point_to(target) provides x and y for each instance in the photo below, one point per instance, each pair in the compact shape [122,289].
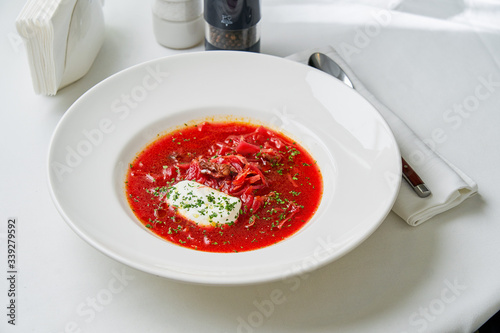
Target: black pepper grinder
[232,25]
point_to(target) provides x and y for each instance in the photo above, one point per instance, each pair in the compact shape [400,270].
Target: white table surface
[425,62]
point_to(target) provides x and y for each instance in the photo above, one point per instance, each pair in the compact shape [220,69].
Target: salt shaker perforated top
[232,25]
[178,24]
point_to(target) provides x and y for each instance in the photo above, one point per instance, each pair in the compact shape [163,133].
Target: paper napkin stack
[62,39]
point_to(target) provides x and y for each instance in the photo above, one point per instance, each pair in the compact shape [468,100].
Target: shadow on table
[440,10]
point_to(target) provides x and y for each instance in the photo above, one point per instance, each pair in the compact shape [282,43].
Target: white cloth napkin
[449,185]
[62,39]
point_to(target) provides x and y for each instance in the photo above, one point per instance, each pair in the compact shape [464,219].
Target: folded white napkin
[449,185]
[62,39]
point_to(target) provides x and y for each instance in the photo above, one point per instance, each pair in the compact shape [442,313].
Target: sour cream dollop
[203,205]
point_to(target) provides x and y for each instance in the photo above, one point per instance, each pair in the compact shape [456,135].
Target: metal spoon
[326,64]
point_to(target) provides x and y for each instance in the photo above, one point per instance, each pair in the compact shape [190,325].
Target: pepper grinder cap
[232,14]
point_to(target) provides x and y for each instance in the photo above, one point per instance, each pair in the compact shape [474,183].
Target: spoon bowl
[326,64]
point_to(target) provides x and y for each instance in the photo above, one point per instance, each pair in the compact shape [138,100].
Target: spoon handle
[414,180]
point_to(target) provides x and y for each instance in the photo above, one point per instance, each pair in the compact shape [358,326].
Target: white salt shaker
[178,24]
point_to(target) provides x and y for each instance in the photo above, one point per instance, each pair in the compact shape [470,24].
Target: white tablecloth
[435,64]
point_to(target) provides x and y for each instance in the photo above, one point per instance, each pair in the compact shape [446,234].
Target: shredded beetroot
[291,210]
[246,148]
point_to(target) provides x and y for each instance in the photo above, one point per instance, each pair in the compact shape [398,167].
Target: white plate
[104,129]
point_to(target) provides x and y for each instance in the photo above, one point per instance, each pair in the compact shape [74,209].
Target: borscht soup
[224,186]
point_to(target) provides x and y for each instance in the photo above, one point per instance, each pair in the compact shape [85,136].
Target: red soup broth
[278,182]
